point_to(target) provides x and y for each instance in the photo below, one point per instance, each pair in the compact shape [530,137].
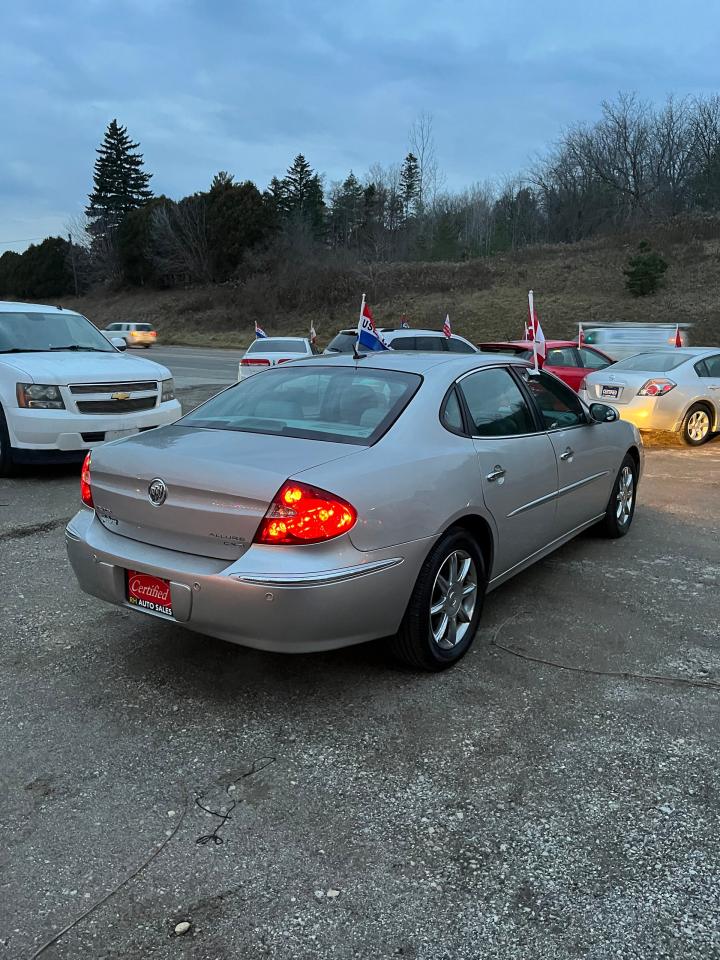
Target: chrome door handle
[568,454]
[497,473]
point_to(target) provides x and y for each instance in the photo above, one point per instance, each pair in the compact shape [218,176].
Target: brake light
[254,362]
[656,388]
[284,360]
[85,487]
[303,514]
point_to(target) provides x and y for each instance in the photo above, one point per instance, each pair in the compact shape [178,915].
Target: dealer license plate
[610,392]
[149,593]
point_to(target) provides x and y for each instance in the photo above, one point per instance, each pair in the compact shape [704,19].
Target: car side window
[403,343]
[431,343]
[496,405]
[451,414]
[591,360]
[711,367]
[561,357]
[459,346]
[559,405]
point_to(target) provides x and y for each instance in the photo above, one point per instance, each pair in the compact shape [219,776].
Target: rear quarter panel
[412,484]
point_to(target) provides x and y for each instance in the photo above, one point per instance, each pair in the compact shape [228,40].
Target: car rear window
[277,346]
[343,342]
[144,327]
[654,362]
[342,404]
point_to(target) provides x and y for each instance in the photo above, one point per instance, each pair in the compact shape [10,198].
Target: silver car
[332,501]
[406,338]
[620,340]
[673,390]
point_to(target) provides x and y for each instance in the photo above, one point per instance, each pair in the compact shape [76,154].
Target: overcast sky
[243,86]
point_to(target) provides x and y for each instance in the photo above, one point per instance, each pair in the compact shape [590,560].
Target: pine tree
[304,195]
[410,185]
[119,182]
[644,271]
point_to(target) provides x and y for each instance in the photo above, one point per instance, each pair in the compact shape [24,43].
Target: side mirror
[121,345]
[603,413]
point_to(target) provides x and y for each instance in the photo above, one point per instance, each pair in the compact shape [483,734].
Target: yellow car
[134,334]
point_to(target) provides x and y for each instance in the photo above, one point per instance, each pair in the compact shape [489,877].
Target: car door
[587,454]
[518,468]
[563,363]
[708,371]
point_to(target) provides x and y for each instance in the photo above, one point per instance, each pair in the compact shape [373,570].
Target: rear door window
[590,360]
[495,403]
[709,367]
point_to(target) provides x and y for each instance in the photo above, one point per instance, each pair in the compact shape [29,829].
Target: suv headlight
[39,396]
[168,390]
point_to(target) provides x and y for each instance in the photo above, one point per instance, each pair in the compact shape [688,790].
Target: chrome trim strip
[581,483]
[316,578]
[534,503]
[557,540]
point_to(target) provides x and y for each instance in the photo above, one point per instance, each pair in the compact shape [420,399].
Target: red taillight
[656,388]
[254,362]
[85,487]
[284,360]
[303,514]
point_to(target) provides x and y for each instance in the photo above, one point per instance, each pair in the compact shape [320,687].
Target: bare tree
[422,145]
[180,240]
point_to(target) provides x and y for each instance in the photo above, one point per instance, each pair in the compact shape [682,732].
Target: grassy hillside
[485,298]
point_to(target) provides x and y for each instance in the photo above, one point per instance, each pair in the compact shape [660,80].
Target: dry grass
[486,299]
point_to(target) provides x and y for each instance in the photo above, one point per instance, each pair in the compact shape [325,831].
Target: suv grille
[77,388]
[116,406]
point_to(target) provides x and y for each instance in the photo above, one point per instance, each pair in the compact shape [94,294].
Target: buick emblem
[157,491]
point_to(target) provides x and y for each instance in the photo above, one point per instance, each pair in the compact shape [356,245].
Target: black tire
[7,467]
[619,515]
[696,428]
[415,643]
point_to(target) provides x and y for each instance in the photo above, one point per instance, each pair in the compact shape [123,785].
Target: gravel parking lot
[510,808]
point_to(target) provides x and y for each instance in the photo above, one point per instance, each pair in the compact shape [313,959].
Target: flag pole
[356,352]
[531,314]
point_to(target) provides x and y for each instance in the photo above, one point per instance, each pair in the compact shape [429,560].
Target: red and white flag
[532,318]
[313,335]
[538,337]
[678,338]
[447,329]
[581,335]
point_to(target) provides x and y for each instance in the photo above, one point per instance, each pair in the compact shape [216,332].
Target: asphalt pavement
[195,366]
[550,797]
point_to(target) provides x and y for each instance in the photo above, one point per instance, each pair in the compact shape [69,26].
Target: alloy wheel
[625,495]
[453,599]
[698,425]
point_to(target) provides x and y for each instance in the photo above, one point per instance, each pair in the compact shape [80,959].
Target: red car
[564,358]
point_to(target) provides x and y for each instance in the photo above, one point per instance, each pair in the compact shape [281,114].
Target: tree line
[637,164]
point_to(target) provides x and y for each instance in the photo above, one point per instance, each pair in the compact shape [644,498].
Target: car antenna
[356,355]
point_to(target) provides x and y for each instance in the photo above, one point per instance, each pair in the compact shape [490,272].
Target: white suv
[64,387]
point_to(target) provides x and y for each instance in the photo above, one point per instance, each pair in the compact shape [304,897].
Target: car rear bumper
[289,609]
[59,430]
[646,413]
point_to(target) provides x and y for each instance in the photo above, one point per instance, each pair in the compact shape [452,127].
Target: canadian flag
[447,328]
[678,338]
[313,335]
[538,337]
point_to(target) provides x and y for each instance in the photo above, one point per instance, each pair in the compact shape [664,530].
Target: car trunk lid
[616,386]
[216,485]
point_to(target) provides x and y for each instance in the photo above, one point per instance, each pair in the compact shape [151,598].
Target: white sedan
[268,352]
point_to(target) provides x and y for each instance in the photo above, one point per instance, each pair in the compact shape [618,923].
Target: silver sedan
[672,390]
[333,501]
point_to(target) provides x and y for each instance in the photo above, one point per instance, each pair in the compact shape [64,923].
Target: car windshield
[343,342]
[654,362]
[342,404]
[30,332]
[277,346]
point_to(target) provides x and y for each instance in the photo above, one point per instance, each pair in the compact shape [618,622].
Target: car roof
[527,344]
[403,332]
[15,306]
[690,353]
[414,361]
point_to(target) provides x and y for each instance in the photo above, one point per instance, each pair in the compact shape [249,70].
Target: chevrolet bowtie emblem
[120,396]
